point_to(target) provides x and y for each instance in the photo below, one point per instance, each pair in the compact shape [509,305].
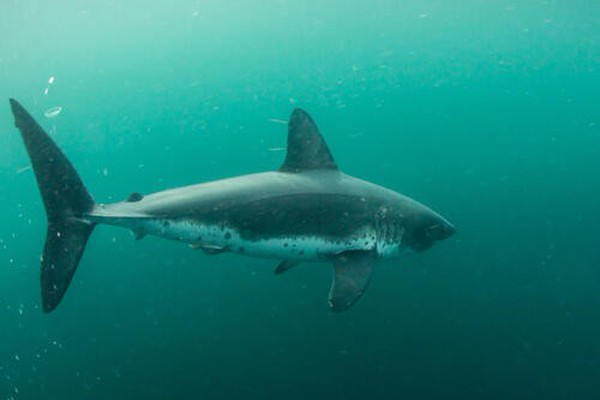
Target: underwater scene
[474,275]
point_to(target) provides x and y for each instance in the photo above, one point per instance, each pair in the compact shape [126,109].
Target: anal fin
[352,274]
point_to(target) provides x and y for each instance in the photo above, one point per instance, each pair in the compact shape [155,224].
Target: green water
[485,110]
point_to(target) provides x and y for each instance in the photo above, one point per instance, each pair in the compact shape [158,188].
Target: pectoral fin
[284,266]
[352,274]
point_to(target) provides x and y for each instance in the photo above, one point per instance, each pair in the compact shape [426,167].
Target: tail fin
[66,201]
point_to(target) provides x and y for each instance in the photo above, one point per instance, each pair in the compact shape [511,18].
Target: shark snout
[440,230]
[431,228]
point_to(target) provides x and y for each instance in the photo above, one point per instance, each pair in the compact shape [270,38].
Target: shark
[306,211]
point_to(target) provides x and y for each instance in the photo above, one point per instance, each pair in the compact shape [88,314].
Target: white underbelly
[218,238]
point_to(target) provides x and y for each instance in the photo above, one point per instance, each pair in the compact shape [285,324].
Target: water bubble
[278,121]
[53,112]
[23,169]
[51,80]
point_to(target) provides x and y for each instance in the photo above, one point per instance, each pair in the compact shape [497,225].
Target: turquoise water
[485,110]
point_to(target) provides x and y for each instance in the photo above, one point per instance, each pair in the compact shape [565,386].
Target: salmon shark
[306,211]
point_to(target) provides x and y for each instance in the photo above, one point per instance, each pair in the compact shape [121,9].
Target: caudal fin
[66,201]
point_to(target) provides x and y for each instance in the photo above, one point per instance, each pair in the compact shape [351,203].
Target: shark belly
[218,238]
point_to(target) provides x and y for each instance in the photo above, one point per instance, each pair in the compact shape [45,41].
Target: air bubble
[53,112]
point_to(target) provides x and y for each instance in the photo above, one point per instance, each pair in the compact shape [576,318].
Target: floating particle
[46,92]
[53,112]
[278,121]
[51,80]
[23,169]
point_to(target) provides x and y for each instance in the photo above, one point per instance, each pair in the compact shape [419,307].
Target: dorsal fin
[306,149]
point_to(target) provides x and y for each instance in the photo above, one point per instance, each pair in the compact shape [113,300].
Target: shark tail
[67,202]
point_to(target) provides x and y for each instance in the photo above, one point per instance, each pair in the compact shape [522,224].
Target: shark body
[307,211]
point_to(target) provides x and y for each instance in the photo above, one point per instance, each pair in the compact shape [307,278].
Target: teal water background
[488,111]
